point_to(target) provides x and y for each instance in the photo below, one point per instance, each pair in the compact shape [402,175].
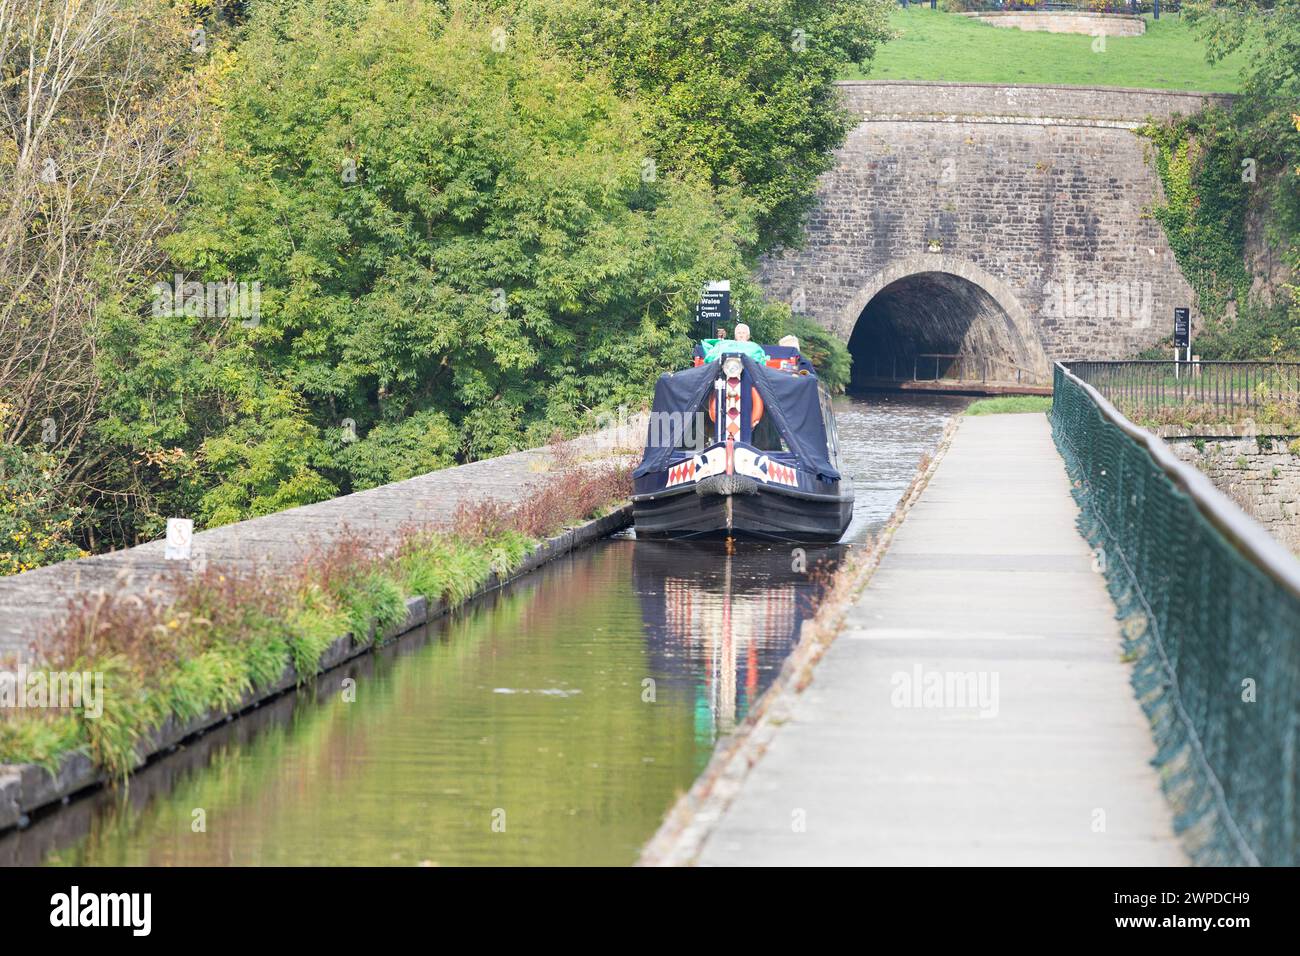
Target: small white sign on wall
[180,535]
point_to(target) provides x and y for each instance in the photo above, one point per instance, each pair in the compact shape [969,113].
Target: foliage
[827,353]
[100,109]
[1267,33]
[1223,166]
[498,266]
[41,739]
[399,450]
[739,94]
[35,522]
[1269,28]
[1205,205]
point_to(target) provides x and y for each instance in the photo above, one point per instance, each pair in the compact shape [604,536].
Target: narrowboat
[736,447]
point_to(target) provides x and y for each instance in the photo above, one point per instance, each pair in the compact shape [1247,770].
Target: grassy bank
[1010,404]
[934,45]
[218,635]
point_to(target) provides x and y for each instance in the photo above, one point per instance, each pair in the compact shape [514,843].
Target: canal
[551,723]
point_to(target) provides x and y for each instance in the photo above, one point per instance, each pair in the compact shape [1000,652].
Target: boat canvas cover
[791,400]
[682,392]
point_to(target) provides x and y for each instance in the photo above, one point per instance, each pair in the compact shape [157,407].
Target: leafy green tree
[827,353]
[100,109]
[457,248]
[1269,33]
[400,450]
[35,521]
[739,92]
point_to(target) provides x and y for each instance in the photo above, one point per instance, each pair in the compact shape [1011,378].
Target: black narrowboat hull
[737,506]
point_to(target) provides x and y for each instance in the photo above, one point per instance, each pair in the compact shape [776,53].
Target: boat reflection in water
[721,620]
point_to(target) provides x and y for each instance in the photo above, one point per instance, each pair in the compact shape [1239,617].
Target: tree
[35,522]
[457,250]
[1269,32]
[827,353]
[98,110]
[739,92]
[1264,129]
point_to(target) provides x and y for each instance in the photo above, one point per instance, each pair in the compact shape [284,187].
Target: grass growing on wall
[222,635]
[936,45]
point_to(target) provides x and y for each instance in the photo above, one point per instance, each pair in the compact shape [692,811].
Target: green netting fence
[1210,610]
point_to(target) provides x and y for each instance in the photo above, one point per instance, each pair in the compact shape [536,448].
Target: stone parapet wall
[1088,24]
[887,98]
[1260,474]
[34,602]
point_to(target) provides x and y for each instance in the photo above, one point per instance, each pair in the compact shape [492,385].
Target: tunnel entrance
[941,331]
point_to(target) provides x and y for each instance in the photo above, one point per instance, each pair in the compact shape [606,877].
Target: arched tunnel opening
[935,326]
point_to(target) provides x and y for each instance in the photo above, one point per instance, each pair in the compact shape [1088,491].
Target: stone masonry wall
[883,99]
[1261,475]
[1088,24]
[1040,195]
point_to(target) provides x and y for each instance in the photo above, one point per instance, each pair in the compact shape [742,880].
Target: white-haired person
[738,345]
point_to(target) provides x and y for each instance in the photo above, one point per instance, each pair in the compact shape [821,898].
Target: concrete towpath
[975,709]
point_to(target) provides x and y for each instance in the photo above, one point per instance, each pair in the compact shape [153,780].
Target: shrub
[497,260]
[35,521]
[827,353]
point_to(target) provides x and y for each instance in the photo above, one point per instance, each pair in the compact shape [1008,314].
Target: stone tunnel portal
[937,325]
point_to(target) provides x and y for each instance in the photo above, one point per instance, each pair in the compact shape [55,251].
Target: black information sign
[1182,328]
[714,308]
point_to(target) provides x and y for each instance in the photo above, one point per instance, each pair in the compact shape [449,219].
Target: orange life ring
[756,412]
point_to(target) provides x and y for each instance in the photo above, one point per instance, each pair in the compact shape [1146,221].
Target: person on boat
[740,345]
[789,342]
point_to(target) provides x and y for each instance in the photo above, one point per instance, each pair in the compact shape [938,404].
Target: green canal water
[553,723]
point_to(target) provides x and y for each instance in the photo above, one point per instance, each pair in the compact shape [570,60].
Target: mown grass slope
[935,45]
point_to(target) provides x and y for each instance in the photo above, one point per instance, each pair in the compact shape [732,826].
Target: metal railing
[938,367]
[1210,609]
[1166,392]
